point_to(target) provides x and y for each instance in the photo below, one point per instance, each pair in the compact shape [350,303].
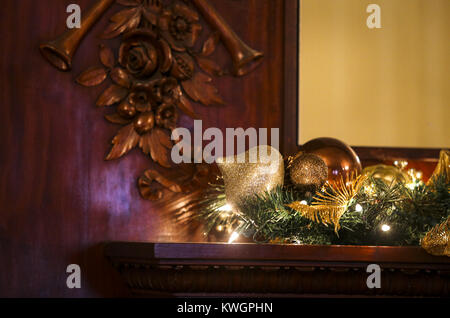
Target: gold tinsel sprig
[329,206]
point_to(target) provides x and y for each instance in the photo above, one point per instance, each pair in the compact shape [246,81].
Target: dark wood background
[59,199]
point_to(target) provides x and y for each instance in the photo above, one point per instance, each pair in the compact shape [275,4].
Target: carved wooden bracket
[276,270]
[159,69]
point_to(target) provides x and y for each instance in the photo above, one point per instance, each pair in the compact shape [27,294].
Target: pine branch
[410,213]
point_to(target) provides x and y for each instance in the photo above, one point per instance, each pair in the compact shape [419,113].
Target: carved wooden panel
[59,198]
[159,69]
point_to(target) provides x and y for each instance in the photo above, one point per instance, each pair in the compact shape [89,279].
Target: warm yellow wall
[375,87]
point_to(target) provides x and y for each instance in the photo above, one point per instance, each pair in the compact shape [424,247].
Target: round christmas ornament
[308,172]
[254,172]
[341,160]
[389,174]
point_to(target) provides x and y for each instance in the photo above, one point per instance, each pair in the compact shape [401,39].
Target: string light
[401,164]
[369,189]
[304,202]
[220,228]
[233,237]
[358,208]
[385,227]
[226,208]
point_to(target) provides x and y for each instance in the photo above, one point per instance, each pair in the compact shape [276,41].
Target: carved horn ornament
[60,51]
[244,58]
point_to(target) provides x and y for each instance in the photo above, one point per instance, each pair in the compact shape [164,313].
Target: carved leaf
[156,143]
[209,66]
[129,3]
[150,16]
[210,44]
[106,56]
[125,140]
[112,95]
[92,77]
[120,77]
[116,119]
[123,21]
[186,107]
[200,90]
[163,137]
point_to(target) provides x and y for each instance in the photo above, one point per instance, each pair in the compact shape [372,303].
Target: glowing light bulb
[358,208]
[226,208]
[385,227]
[220,228]
[233,237]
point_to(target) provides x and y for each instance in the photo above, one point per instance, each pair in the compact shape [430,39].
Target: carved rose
[142,54]
[180,26]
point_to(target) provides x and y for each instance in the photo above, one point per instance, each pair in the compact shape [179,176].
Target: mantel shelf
[205,269]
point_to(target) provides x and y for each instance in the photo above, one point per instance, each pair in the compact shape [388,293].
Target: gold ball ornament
[308,172]
[254,172]
[341,160]
[389,174]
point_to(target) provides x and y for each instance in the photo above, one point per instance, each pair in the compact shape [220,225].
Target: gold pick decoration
[437,240]
[254,172]
[329,206]
[442,168]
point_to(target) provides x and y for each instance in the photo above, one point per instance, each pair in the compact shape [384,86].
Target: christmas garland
[364,210]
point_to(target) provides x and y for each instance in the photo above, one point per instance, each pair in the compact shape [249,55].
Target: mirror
[375,76]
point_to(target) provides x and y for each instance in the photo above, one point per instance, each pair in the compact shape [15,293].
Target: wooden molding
[190,269]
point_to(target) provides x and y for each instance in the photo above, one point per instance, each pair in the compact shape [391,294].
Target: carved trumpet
[244,58]
[60,51]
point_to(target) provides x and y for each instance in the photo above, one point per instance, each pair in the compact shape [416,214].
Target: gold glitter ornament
[253,172]
[390,175]
[308,172]
[442,168]
[437,240]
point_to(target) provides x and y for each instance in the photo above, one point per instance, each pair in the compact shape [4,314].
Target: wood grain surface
[59,198]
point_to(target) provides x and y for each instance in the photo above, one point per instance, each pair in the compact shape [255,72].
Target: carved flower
[180,26]
[145,97]
[166,91]
[144,123]
[142,53]
[149,111]
[167,116]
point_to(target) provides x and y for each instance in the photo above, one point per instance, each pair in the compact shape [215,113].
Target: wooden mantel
[204,269]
